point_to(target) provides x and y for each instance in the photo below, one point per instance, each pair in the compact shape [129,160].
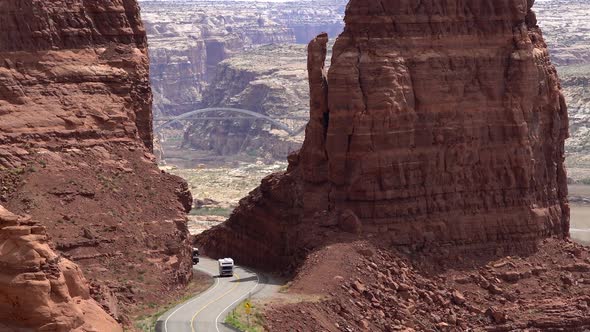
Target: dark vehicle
[195,256]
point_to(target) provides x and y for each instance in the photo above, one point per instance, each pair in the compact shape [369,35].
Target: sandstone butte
[75,157]
[439,126]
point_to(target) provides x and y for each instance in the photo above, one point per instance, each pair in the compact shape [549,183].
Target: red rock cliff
[75,141]
[106,56]
[439,123]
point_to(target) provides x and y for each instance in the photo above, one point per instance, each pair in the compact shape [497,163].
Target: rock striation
[188,39]
[576,85]
[39,289]
[75,142]
[106,43]
[566,29]
[439,124]
[270,80]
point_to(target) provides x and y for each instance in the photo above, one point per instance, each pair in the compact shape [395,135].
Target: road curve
[207,311]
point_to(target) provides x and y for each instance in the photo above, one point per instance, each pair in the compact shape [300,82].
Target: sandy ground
[216,181]
[226,184]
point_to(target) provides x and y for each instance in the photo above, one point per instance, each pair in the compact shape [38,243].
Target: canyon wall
[270,80]
[576,86]
[438,125]
[75,141]
[181,70]
[192,44]
[307,20]
[189,39]
[567,31]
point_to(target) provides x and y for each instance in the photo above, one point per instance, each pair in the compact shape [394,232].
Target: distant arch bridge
[246,114]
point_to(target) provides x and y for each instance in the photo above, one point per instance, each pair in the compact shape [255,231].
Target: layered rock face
[439,124]
[75,141]
[87,29]
[566,29]
[270,80]
[189,39]
[192,44]
[177,73]
[576,87]
[40,290]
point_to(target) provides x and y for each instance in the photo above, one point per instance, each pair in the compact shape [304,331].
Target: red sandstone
[75,142]
[439,124]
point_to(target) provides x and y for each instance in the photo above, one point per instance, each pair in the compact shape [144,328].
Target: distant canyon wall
[270,80]
[185,56]
[567,32]
[182,71]
[189,39]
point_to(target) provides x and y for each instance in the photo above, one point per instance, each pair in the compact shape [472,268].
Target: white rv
[226,267]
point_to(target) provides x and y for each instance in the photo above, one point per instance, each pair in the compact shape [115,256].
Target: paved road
[207,311]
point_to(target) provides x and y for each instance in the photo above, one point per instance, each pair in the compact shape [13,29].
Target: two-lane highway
[207,311]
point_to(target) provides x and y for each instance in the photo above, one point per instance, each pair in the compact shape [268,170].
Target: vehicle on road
[196,256]
[226,267]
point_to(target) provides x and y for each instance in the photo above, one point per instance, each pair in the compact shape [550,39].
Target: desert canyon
[76,137]
[410,166]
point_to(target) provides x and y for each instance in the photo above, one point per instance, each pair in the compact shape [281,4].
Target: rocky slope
[366,288]
[420,136]
[75,137]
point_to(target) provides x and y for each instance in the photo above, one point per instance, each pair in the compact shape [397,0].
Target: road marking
[238,300]
[217,299]
[193,300]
